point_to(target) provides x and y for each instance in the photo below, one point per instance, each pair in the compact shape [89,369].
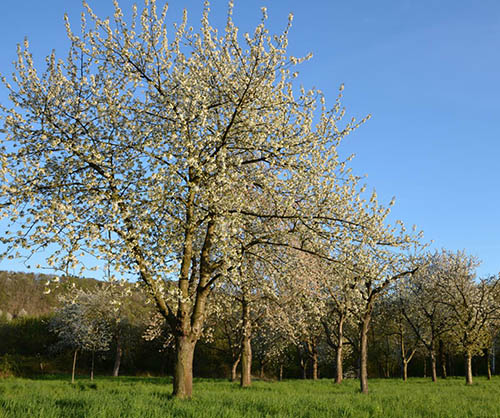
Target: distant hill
[22,294]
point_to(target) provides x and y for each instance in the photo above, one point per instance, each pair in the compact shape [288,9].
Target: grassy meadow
[55,396]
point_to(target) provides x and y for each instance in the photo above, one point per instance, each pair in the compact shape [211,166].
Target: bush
[8,366]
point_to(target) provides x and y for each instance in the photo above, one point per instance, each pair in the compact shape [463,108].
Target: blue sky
[428,71]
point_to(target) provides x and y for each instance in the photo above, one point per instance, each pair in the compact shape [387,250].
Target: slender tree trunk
[339,360]
[442,359]
[468,372]
[363,375]
[74,367]
[92,366]
[183,371]
[261,374]
[118,357]
[246,349]
[404,363]
[488,363]
[493,357]
[281,373]
[433,365]
[303,365]
[425,367]
[234,368]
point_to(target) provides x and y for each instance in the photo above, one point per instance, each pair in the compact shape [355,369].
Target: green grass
[150,397]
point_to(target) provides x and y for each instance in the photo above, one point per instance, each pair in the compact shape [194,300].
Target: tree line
[415,321]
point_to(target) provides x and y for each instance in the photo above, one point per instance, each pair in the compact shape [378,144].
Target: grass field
[150,397]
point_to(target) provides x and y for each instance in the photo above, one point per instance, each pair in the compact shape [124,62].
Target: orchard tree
[472,304]
[384,255]
[140,147]
[226,320]
[82,324]
[126,316]
[339,284]
[392,323]
[421,305]
[302,305]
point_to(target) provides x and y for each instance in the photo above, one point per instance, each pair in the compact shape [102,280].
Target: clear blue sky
[428,71]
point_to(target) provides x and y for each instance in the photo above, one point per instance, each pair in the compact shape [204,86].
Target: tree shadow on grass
[164,380]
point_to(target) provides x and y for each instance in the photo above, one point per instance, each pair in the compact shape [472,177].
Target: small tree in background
[472,306]
[82,324]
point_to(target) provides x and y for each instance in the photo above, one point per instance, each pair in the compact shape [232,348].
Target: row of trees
[193,162]
[440,310]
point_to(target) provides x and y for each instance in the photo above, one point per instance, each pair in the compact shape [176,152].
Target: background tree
[422,307]
[471,304]
[384,255]
[82,325]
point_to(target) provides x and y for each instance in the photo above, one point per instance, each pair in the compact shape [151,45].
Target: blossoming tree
[140,147]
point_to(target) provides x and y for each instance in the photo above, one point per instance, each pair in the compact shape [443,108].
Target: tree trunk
[74,367]
[183,370]
[442,359]
[425,367]
[488,363]
[92,366]
[234,368]
[468,372]
[281,373]
[261,374]
[246,363]
[303,365]
[315,365]
[339,360]
[118,357]
[246,349]
[433,366]
[363,375]
[312,353]
[402,352]
[493,357]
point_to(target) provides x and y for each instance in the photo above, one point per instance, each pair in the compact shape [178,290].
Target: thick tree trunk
[405,370]
[315,365]
[234,368]
[183,370]
[92,366]
[433,365]
[74,367]
[339,359]
[312,353]
[363,373]
[118,358]
[468,371]
[246,349]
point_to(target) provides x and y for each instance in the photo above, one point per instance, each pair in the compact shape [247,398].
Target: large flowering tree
[142,146]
